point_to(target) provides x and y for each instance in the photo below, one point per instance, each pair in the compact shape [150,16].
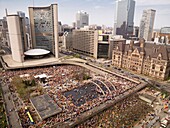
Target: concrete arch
[112,84]
[98,87]
[104,85]
[109,82]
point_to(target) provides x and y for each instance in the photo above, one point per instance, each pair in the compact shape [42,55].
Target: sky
[101,12]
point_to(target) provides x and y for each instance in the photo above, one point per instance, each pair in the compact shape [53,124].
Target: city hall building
[44,27]
[145,58]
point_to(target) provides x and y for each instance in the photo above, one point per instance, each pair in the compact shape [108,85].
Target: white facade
[146,24]
[124,15]
[15,34]
[56,38]
[82,19]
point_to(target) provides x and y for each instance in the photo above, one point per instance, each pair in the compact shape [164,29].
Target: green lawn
[24,89]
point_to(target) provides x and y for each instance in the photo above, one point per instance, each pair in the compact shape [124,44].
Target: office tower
[21,14]
[60,27]
[27,27]
[4,32]
[17,35]
[82,19]
[44,27]
[146,24]
[92,43]
[123,24]
[85,42]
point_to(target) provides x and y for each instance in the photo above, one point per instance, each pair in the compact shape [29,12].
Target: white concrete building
[146,24]
[17,37]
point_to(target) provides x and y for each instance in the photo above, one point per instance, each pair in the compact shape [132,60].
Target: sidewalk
[11,113]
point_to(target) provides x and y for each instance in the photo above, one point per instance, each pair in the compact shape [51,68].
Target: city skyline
[100,12]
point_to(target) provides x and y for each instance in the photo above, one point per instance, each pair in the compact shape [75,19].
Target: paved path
[12,114]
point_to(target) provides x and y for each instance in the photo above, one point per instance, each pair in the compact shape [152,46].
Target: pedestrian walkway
[11,113]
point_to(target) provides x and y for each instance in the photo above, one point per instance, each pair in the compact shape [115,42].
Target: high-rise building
[92,43]
[27,27]
[17,35]
[82,19]
[21,14]
[123,24]
[146,24]
[85,42]
[60,28]
[4,32]
[44,27]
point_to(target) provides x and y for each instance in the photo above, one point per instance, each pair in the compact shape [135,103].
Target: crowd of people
[122,115]
[73,96]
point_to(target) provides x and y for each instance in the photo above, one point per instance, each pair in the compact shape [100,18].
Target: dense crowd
[122,115]
[72,95]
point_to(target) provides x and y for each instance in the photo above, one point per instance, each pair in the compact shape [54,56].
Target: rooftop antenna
[33,2]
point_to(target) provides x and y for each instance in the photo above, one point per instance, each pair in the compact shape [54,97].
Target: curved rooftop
[36,52]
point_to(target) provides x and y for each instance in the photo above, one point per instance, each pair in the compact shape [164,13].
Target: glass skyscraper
[124,15]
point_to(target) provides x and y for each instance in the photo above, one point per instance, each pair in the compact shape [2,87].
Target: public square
[75,89]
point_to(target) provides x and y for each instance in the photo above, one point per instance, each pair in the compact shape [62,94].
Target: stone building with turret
[143,57]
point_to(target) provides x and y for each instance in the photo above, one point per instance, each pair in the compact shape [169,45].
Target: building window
[114,57]
[153,66]
[161,68]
